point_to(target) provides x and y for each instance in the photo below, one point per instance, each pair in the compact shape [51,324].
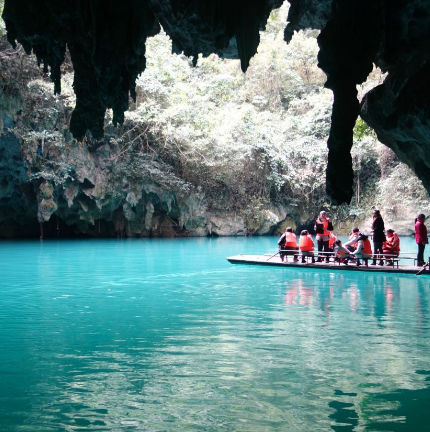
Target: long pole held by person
[273,256]
[425,266]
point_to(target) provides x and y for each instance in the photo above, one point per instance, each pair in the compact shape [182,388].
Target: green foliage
[361,130]
[401,191]
[242,141]
[256,139]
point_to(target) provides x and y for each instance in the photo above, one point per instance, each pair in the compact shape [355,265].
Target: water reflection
[377,296]
[394,333]
[345,418]
[403,410]
[423,306]
[113,337]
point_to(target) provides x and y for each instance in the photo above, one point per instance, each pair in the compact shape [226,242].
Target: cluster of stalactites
[106,40]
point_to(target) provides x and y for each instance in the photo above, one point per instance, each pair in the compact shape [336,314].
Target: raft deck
[275,261]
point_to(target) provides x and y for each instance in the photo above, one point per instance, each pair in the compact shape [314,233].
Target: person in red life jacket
[421,238]
[288,245]
[323,226]
[351,244]
[306,246]
[364,249]
[332,238]
[391,246]
[342,254]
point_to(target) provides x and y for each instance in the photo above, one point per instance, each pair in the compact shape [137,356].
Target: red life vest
[355,244]
[367,248]
[324,224]
[290,240]
[392,245]
[341,253]
[306,243]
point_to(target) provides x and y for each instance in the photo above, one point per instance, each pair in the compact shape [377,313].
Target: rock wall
[106,40]
[61,188]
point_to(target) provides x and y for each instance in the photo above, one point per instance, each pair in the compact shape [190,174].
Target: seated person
[351,244]
[306,246]
[342,254]
[364,249]
[288,245]
[391,246]
[332,238]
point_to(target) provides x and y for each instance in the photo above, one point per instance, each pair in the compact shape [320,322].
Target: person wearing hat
[378,231]
[421,238]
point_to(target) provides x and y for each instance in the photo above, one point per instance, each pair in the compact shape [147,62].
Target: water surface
[166,335]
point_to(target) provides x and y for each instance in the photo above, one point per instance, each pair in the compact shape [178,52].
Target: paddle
[273,256]
[424,267]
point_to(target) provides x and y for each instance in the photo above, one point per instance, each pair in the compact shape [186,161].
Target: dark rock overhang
[106,40]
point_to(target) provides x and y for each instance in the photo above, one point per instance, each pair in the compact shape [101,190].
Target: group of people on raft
[386,244]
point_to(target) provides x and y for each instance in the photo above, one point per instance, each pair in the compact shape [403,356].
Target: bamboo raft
[275,261]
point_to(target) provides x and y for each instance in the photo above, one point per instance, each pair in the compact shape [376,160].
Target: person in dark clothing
[323,227]
[378,230]
[421,238]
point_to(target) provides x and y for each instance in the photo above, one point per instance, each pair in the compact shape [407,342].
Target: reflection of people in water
[423,304]
[297,290]
[305,293]
[354,297]
[376,295]
[386,296]
[389,299]
[291,294]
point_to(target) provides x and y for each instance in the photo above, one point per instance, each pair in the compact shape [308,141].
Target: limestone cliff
[106,40]
[73,191]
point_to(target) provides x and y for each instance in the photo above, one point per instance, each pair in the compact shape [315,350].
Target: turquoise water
[166,335]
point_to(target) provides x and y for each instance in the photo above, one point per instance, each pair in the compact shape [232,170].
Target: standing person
[288,245]
[323,226]
[378,230]
[421,238]
[306,246]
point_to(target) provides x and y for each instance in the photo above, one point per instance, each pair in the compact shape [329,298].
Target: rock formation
[70,190]
[394,35]
[106,40]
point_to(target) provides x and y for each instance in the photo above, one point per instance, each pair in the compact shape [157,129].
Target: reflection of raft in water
[275,261]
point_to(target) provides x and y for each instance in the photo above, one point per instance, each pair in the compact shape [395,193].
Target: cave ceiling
[106,40]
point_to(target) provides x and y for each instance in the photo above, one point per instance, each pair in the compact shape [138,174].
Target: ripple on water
[112,336]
